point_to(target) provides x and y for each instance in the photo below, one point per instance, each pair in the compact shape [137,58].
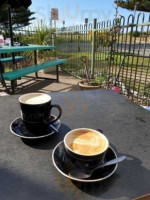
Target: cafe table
[26,168]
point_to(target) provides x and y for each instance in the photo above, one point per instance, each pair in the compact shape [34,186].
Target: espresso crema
[87,143]
[37,100]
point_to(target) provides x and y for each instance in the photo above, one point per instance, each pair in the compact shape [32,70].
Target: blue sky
[75,11]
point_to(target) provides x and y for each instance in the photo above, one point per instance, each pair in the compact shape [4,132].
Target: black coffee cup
[36,111]
[85,161]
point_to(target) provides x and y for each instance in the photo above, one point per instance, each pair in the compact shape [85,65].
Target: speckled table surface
[26,169]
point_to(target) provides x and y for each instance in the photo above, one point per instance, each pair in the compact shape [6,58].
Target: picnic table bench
[12,76]
[10,59]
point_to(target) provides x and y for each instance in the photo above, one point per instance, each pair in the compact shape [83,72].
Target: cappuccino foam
[37,100]
[87,143]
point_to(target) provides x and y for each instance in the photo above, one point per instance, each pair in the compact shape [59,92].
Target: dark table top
[26,169]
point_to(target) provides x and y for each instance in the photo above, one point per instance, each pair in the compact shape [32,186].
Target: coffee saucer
[18,128]
[64,165]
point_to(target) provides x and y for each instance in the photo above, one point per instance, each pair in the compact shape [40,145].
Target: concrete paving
[66,83]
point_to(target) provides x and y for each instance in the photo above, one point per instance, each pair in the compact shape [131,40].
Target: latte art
[87,143]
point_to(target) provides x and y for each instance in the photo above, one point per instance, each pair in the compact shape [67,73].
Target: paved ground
[67,83]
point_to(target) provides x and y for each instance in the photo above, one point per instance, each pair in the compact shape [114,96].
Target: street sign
[54,14]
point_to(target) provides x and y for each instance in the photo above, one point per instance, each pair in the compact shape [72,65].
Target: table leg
[35,62]
[13,86]
[57,73]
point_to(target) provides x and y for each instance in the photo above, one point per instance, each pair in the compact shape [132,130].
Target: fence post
[93,48]
[79,43]
[53,39]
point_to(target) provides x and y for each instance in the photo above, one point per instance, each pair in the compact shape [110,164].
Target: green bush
[136,34]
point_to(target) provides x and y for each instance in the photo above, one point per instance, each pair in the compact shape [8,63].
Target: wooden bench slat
[10,59]
[9,76]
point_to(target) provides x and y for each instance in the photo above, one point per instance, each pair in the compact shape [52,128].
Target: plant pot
[83,86]
[49,70]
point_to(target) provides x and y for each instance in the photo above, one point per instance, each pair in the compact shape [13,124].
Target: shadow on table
[130,181]
[49,142]
[17,186]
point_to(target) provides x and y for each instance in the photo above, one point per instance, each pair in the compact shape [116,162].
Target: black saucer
[64,165]
[18,128]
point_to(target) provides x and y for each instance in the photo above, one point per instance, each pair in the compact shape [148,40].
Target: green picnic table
[18,73]
[14,49]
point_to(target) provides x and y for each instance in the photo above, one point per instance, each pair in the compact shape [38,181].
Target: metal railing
[118,48]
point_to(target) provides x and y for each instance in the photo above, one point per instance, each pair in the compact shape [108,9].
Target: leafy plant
[16,3]
[141,5]
[20,12]
[41,35]
[98,81]
[136,34]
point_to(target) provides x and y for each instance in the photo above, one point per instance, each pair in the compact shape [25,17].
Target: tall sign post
[86,28]
[54,16]
[86,21]
[93,48]
[63,24]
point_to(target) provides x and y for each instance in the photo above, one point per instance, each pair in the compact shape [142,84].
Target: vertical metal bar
[121,53]
[13,86]
[35,62]
[115,47]
[10,26]
[93,48]
[137,61]
[109,58]
[126,35]
[139,90]
[131,46]
[53,39]
[146,79]
[78,41]
[57,73]
[69,35]
[107,61]
[11,31]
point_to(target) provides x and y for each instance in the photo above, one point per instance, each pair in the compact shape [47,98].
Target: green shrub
[136,34]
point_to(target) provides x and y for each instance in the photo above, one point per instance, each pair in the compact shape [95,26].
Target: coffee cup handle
[60,112]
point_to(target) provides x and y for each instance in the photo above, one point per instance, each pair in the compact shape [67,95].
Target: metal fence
[119,48]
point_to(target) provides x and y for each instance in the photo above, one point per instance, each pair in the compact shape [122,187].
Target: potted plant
[88,83]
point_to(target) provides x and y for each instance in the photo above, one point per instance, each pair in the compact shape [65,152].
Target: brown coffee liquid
[87,143]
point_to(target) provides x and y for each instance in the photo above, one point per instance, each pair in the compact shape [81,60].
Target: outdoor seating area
[19,73]
[31,84]
[75,100]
